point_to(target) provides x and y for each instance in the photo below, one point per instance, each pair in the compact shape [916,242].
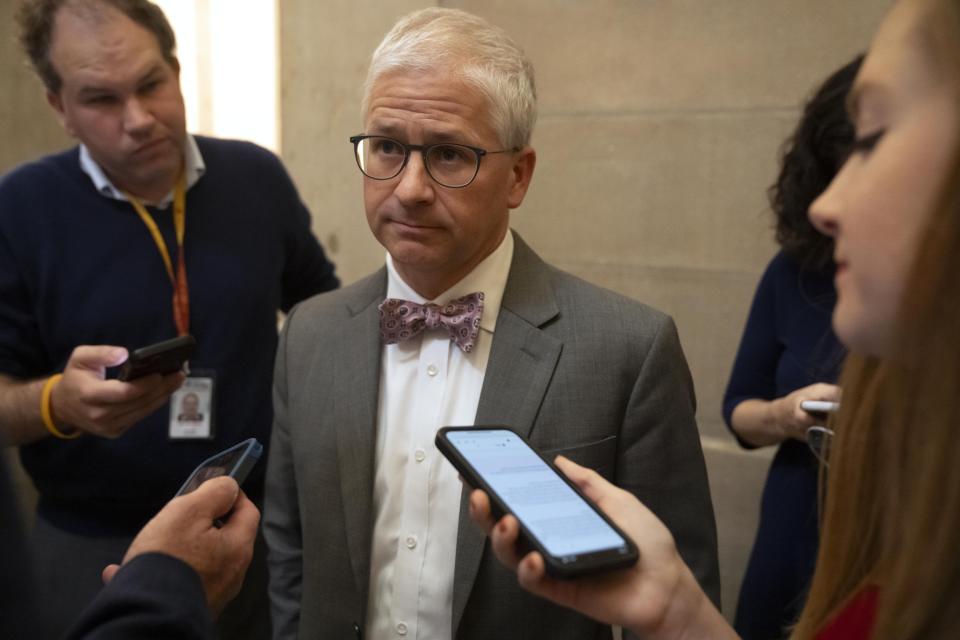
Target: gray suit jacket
[575,368]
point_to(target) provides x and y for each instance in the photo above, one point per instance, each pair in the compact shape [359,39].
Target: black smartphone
[573,535]
[163,357]
[236,462]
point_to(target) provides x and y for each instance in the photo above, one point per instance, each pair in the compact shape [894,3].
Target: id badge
[191,408]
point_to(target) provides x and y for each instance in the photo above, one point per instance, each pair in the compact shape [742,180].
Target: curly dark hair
[811,157]
[36,20]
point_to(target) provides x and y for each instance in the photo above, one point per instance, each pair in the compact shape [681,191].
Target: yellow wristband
[45,412]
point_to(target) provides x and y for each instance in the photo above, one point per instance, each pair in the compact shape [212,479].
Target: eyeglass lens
[451,165]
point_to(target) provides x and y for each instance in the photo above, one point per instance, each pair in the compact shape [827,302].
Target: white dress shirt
[194,168]
[425,383]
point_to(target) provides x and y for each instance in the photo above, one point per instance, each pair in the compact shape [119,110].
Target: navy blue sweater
[787,344]
[78,268]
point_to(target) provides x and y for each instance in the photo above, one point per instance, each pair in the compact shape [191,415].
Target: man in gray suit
[365,520]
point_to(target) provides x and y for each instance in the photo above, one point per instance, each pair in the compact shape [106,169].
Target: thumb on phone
[97,357]
[213,498]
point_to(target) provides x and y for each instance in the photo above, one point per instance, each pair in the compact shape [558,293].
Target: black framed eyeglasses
[448,164]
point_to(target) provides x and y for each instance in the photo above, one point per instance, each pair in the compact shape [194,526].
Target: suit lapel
[521,365]
[355,396]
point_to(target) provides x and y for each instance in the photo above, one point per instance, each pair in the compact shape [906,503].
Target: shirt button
[411,543]
[401,629]
[419,455]
[432,370]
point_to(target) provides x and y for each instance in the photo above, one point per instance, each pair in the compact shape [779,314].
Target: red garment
[856,620]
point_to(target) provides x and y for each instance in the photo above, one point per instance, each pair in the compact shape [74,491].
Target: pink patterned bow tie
[401,319]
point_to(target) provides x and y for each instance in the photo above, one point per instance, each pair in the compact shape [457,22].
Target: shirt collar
[490,277]
[194,169]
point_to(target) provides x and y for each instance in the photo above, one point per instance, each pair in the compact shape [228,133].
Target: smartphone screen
[235,462]
[564,524]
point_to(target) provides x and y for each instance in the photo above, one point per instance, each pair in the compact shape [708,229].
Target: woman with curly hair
[789,354]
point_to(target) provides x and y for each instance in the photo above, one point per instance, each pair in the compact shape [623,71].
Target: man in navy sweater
[139,234]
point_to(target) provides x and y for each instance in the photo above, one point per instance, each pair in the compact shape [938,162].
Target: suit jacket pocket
[600,455]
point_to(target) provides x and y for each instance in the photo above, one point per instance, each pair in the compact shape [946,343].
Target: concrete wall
[27,127]
[660,122]
[659,126]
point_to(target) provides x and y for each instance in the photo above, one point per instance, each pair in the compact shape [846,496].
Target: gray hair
[437,38]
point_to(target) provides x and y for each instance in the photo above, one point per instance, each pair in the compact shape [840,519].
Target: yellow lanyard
[178,278]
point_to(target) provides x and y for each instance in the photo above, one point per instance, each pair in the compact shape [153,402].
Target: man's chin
[415,255]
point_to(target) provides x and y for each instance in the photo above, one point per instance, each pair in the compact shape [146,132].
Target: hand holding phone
[657,597]
[573,536]
[162,357]
[182,529]
[86,399]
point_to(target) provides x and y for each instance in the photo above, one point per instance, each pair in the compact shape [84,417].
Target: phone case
[163,357]
[236,462]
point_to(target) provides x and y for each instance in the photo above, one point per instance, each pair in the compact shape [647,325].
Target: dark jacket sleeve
[152,596]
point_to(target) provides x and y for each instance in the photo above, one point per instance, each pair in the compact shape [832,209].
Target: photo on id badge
[191,408]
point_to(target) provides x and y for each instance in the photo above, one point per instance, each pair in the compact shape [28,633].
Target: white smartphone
[819,406]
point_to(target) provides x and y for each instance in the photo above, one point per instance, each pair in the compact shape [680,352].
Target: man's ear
[53,99]
[520,176]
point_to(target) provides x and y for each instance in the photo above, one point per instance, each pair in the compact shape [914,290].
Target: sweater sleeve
[755,366]
[22,354]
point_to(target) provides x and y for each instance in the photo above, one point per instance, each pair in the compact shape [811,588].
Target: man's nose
[415,186]
[137,118]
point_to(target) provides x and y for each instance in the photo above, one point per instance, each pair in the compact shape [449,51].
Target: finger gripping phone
[236,462]
[574,537]
[163,357]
